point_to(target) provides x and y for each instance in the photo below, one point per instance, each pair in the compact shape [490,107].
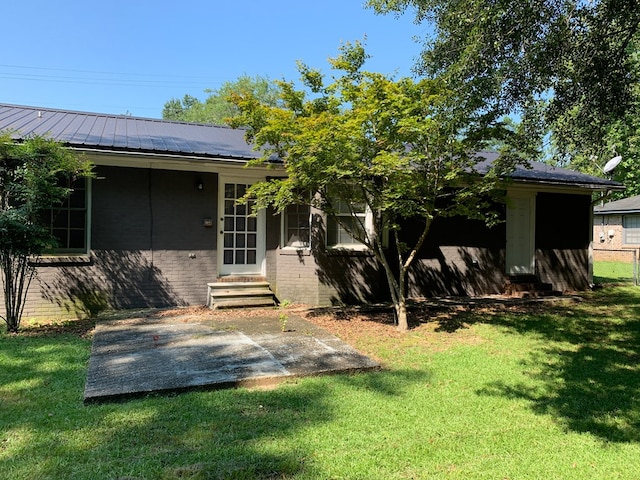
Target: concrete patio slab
[137,356]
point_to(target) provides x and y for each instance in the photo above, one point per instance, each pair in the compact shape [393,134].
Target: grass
[527,392]
[613,272]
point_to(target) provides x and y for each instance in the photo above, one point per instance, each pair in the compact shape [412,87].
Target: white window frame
[284,230]
[631,233]
[366,217]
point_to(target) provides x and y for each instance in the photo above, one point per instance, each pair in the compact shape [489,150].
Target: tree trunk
[401,314]
[401,300]
[13,324]
[16,279]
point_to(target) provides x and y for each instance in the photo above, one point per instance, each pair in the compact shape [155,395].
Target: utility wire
[92,77]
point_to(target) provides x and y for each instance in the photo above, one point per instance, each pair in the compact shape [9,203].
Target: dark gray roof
[543,173]
[626,205]
[145,135]
[120,132]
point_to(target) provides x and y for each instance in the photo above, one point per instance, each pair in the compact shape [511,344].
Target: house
[159,226]
[616,230]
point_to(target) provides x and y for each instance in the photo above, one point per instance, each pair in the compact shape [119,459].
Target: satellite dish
[611,164]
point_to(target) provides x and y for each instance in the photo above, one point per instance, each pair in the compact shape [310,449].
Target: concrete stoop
[240,294]
[528,286]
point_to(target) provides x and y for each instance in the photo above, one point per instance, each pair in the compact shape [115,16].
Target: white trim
[283,233]
[367,220]
[177,162]
[226,269]
[520,251]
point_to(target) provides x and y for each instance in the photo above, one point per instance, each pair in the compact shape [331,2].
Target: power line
[108,82]
[104,72]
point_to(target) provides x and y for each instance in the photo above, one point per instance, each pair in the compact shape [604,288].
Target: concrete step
[225,285]
[239,294]
[243,302]
[528,286]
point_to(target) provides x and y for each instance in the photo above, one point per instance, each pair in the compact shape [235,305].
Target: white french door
[241,237]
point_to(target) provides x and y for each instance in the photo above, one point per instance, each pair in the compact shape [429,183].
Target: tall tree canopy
[397,149]
[217,108]
[570,66]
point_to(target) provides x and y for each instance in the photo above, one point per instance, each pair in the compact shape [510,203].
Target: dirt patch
[436,324]
[82,328]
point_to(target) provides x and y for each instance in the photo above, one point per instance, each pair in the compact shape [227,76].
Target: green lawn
[613,272]
[548,392]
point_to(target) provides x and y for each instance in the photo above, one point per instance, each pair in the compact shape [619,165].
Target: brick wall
[297,278]
[608,240]
[149,246]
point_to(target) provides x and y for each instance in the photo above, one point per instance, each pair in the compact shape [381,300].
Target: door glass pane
[229,190]
[240,224]
[228,257]
[239,257]
[252,224]
[228,224]
[251,257]
[228,207]
[251,240]
[228,240]
[240,240]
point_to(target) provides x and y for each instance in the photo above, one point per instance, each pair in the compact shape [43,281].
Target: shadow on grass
[587,370]
[49,433]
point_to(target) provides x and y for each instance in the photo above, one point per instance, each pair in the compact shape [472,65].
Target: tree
[31,172]
[621,137]
[570,63]
[217,108]
[400,149]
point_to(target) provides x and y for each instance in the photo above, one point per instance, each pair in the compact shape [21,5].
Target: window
[296,226]
[337,235]
[68,222]
[631,225]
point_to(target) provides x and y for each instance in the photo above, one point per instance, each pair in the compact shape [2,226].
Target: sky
[130,57]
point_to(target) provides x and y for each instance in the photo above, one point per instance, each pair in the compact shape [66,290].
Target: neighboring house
[616,230]
[159,224]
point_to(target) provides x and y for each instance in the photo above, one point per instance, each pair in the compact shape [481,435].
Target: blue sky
[132,56]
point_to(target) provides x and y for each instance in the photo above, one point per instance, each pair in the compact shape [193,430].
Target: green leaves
[403,149]
[563,66]
[218,107]
[30,183]
[400,142]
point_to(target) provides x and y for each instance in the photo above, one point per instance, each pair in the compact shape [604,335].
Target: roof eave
[582,186]
[161,153]
[615,212]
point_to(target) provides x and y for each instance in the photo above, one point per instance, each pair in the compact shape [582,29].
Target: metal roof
[542,173]
[626,205]
[121,132]
[146,135]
